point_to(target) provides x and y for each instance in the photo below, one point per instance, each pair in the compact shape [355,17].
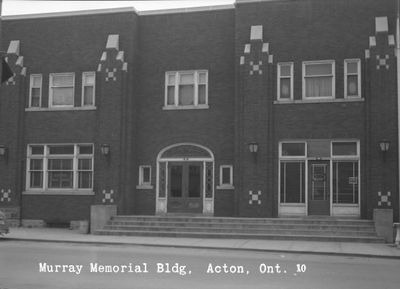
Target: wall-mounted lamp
[3,151]
[105,149]
[253,147]
[384,145]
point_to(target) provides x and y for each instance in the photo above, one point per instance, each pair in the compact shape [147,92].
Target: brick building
[259,109]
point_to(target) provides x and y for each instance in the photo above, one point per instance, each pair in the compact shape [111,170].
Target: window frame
[304,77]
[346,74]
[85,73]
[141,182]
[291,95]
[31,87]
[46,156]
[225,185]
[51,86]
[177,75]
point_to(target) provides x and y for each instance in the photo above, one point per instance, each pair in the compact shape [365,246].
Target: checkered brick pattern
[255,67]
[384,199]
[382,61]
[255,198]
[111,74]
[5,196]
[108,196]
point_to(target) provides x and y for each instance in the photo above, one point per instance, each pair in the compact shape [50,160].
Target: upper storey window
[35,91]
[61,89]
[88,88]
[319,79]
[352,78]
[285,81]
[186,89]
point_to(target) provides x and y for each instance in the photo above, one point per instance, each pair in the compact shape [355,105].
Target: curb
[362,255]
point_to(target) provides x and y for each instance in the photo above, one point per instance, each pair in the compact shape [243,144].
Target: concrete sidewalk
[307,247]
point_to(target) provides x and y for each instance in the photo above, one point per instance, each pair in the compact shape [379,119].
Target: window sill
[225,187]
[202,106]
[60,108]
[330,100]
[144,187]
[59,192]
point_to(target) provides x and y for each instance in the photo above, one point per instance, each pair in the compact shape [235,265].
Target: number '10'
[301,268]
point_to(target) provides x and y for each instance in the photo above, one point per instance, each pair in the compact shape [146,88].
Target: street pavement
[306,247]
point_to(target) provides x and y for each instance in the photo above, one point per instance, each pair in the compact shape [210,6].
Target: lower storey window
[60,167]
[345,182]
[292,182]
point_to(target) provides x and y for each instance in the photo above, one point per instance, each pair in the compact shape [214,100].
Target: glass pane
[60,179]
[84,164]
[194,181]
[63,96]
[171,95]
[171,79]
[186,95]
[88,95]
[319,69]
[202,78]
[176,181]
[344,149]
[36,81]
[293,149]
[37,150]
[285,88]
[60,164]
[35,97]
[85,180]
[319,86]
[226,176]
[352,85]
[186,78]
[345,182]
[285,70]
[36,164]
[61,150]
[36,180]
[85,149]
[146,175]
[292,182]
[352,67]
[63,80]
[202,94]
[89,79]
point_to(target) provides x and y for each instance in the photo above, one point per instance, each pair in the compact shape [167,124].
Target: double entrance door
[185,187]
[318,188]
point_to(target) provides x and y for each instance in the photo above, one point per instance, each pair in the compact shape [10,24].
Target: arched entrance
[185,180]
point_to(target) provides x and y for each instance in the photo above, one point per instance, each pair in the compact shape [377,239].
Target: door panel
[185,188]
[318,188]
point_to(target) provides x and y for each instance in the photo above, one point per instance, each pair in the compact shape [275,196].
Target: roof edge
[187,10]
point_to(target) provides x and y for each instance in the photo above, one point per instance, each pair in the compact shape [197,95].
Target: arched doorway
[185,180]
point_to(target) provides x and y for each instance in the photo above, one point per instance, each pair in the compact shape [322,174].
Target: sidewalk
[308,247]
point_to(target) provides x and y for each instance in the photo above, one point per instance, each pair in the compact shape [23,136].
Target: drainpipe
[398,96]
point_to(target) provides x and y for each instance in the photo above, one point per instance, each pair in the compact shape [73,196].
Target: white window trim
[51,90]
[358,61]
[225,186]
[176,105]
[141,183]
[279,81]
[45,190]
[346,157]
[305,63]
[293,157]
[83,88]
[31,86]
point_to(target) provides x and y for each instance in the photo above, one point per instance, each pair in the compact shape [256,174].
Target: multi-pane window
[61,88]
[88,88]
[35,90]
[285,81]
[292,172]
[60,167]
[186,88]
[352,78]
[319,79]
[226,176]
[144,175]
[345,157]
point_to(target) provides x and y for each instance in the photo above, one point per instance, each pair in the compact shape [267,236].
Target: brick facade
[240,47]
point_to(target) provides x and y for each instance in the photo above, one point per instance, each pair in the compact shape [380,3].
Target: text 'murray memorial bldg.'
[258,109]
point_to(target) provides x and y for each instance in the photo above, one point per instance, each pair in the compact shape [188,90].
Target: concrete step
[364,239]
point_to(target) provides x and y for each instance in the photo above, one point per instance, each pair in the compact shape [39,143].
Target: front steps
[308,229]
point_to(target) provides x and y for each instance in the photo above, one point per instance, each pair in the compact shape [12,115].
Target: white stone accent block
[256,32]
[381,24]
[113,41]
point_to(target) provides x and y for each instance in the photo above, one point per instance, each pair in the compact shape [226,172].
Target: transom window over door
[61,87]
[186,89]
[319,79]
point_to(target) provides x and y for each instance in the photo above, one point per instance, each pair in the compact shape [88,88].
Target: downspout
[398,98]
